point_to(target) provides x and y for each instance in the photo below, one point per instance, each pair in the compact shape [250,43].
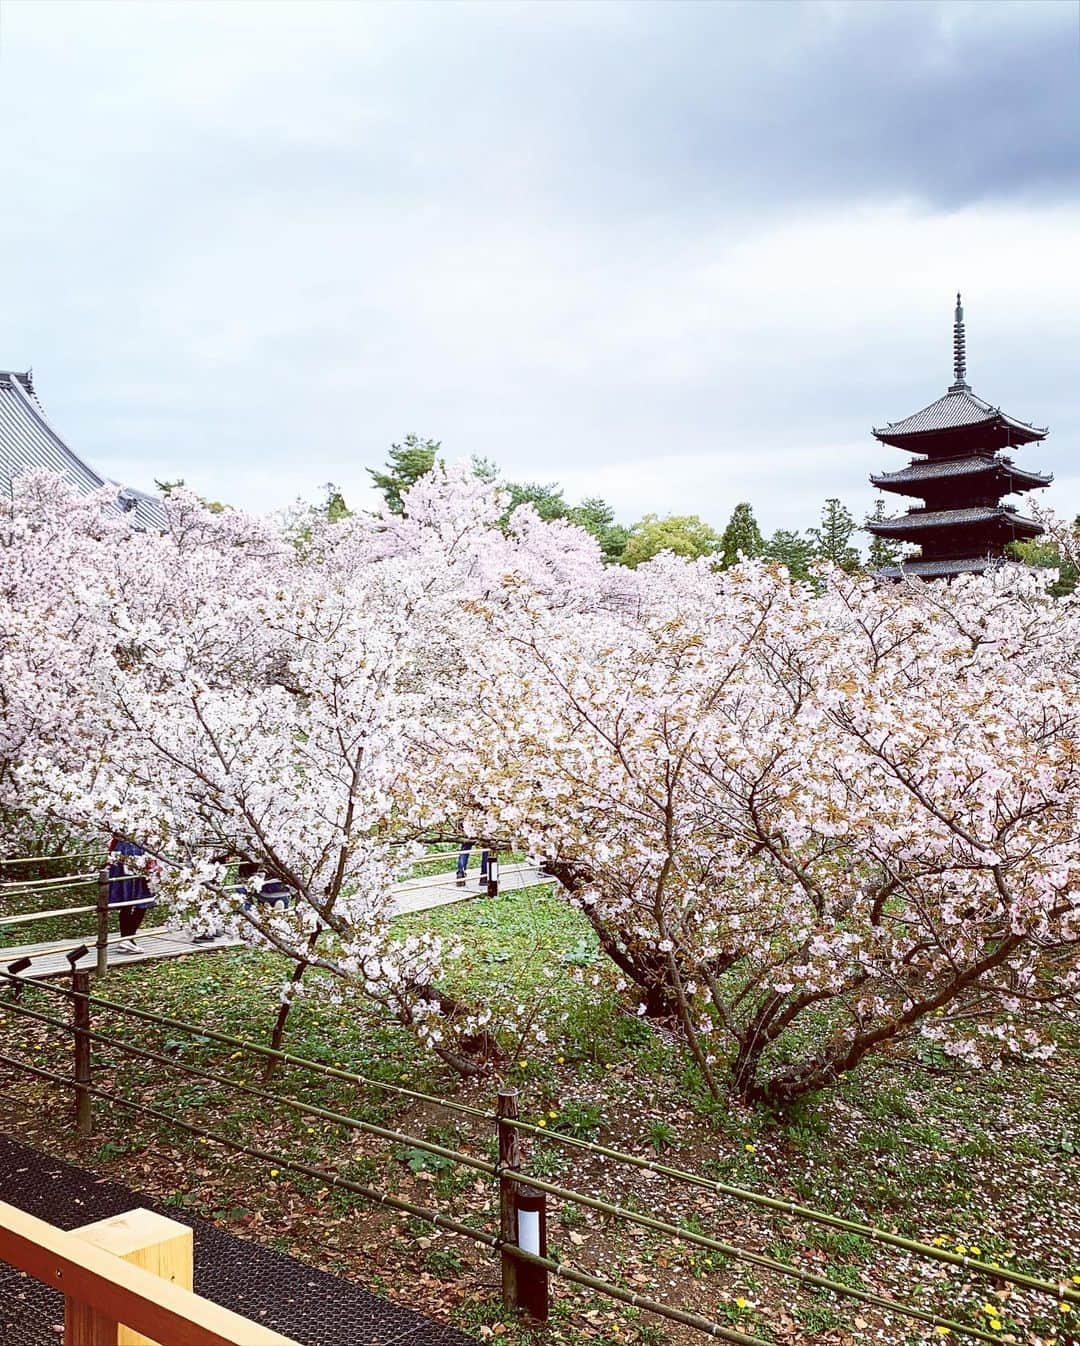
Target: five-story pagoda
[960,477]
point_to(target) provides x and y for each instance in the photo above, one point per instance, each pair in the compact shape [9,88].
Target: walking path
[419,894]
[310,1306]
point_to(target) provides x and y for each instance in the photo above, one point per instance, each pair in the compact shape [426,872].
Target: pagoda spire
[959,352]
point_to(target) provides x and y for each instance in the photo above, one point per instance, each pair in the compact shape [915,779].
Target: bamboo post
[506,1109]
[102,904]
[80,1020]
[153,1242]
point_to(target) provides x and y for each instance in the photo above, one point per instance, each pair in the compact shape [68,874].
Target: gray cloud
[687,252]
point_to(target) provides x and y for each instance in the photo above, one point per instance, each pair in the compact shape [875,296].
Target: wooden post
[80,1021]
[152,1242]
[102,903]
[493,874]
[506,1109]
[532,1281]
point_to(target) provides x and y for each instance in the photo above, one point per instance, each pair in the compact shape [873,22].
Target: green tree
[1044,553]
[683,534]
[742,537]
[793,550]
[831,541]
[883,552]
[334,506]
[545,497]
[597,517]
[406,463]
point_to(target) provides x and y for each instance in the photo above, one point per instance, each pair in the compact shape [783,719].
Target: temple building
[29,443]
[960,475]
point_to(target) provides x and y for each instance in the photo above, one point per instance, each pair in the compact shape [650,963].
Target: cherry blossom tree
[807,823]
[227,697]
[808,826]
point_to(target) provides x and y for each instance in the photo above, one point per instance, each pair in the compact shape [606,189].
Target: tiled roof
[29,443]
[959,407]
[917,519]
[943,469]
[918,569]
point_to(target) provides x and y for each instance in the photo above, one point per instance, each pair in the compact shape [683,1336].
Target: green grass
[963,1159]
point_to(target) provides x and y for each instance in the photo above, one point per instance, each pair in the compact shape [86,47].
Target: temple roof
[932,470]
[958,409]
[29,443]
[920,569]
[937,520]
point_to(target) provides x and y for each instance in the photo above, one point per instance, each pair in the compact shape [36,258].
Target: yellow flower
[995,1324]
[523,1064]
[741,1303]
[991,1309]
[961,1248]
[1076,1280]
[542,1121]
[1064,1308]
[552,1115]
[749,1148]
[939,1240]
[942,1331]
[273,1172]
[976,1251]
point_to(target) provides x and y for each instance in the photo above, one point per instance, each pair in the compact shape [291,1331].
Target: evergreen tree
[883,551]
[546,498]
[406,463]
[742,537]
[792,550]
[597,517]
[831,541]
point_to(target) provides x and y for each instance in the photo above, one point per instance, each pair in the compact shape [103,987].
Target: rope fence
[521,1242]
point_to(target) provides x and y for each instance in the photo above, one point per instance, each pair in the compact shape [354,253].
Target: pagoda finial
[959,352]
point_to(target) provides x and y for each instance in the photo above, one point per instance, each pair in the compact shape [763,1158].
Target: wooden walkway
[158,942]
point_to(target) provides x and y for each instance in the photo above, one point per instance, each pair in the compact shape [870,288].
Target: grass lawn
[973,1161]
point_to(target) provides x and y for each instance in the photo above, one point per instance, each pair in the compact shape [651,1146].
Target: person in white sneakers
[129,889]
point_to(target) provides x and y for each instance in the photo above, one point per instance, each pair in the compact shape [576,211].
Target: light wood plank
[160,1310]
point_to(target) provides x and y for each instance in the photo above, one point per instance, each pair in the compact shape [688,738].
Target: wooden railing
[113,1300]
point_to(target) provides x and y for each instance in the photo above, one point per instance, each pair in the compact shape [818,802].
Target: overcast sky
[675,255]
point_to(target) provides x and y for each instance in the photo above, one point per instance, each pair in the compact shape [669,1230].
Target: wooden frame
[114,1288]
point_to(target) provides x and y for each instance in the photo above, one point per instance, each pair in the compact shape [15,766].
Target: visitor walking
[463,864]
[129,889]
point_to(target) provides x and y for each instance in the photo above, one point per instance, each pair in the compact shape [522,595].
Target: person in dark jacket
[275,892]
[128,867]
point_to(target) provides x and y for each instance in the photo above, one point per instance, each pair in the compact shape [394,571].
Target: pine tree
[792,550]
[406,463]
[883,552]
[832,540]
[742,537]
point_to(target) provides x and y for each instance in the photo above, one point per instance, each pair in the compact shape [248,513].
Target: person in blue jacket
[128,867]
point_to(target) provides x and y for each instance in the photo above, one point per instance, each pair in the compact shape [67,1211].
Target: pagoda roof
[921,471]
[917,568]
[959,409]
[28,443]
[937,520]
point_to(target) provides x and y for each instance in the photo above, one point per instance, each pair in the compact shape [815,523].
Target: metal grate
[314,1307]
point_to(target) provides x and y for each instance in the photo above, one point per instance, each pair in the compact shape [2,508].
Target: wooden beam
[158,1309]
[145,1239]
